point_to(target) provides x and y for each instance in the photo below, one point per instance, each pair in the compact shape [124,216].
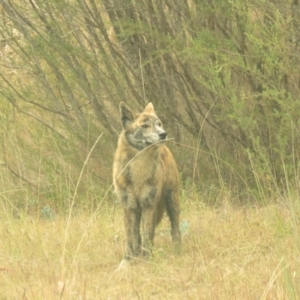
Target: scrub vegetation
[223,77]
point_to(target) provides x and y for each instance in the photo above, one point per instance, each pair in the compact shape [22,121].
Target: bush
[223,75]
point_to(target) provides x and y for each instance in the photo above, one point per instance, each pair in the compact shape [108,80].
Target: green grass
[227,253]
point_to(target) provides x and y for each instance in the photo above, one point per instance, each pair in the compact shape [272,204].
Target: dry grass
[227,253]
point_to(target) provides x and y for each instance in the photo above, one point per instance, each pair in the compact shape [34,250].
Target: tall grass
[228,253]
[226,87]
[67,243]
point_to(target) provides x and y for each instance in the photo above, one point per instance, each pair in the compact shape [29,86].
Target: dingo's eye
[145,125]
[159,124]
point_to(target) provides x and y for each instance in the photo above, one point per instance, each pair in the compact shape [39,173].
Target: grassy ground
[228,253]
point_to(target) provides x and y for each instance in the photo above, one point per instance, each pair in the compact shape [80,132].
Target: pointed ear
[126,115]
[149,108]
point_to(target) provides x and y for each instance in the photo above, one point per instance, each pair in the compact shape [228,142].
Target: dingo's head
[144,129]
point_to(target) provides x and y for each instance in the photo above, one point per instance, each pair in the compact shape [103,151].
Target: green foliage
[223,76]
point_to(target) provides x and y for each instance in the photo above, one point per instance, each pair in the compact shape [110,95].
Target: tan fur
[145,179]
